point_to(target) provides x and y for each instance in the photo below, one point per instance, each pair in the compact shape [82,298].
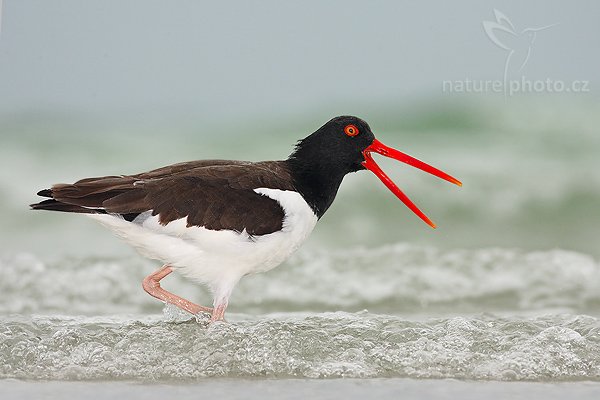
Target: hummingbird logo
[518,44]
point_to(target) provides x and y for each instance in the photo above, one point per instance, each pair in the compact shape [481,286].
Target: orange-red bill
[384,150]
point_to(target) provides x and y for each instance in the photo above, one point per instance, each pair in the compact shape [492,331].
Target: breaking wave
[523,316]
[396,279]
[313,346]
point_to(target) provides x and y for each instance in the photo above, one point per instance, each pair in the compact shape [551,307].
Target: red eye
[351,130]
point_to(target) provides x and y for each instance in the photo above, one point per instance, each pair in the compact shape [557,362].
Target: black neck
[317,183]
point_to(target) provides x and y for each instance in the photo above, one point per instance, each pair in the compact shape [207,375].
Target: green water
[530,172]
[505,289]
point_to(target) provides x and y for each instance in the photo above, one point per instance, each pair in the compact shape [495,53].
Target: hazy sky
[212,58]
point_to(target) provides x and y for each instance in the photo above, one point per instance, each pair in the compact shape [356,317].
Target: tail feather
[45,193]
[85,196]
[54,205]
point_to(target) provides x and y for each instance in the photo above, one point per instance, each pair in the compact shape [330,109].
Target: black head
[344,144]
[337,146]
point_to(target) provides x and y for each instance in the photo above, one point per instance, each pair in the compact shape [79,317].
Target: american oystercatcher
[215,221]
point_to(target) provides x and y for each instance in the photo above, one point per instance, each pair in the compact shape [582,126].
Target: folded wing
[213,194]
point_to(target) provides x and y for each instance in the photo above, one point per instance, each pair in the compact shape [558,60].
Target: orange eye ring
[351,130]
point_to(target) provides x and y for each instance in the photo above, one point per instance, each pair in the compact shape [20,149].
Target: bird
[215,221]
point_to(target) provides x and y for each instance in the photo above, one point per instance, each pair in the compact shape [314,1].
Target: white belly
[218,258]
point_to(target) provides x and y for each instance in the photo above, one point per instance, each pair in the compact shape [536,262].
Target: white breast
[218,258]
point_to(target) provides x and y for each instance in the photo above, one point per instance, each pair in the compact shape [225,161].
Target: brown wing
[214,194]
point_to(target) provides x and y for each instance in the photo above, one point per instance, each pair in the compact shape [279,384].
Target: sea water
[507,289]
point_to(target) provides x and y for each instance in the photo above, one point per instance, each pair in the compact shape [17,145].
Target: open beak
[384,150]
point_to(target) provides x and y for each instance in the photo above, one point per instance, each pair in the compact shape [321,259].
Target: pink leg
[151,285]
[218,313]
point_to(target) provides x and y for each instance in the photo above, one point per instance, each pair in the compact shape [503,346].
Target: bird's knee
[150,284]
